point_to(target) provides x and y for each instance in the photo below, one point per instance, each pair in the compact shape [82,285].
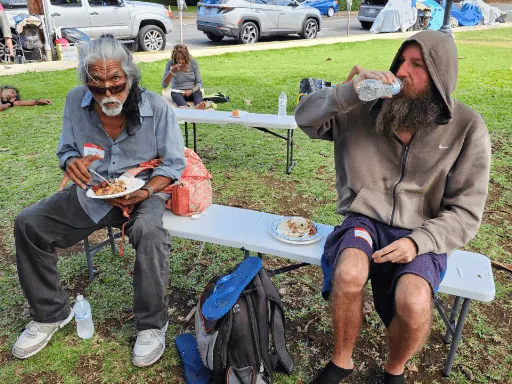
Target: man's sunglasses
[103,90]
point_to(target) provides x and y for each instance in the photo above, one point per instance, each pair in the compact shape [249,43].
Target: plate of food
[115,188]
[237,113]
[295,230]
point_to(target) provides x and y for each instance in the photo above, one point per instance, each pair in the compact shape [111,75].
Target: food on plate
[236,113]
[110,188]
[297,227]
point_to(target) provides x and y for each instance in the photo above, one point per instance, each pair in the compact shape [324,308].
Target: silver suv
[144,22]
[248,20]
[368,11]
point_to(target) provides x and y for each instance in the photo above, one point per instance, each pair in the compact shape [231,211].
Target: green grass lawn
[248,171]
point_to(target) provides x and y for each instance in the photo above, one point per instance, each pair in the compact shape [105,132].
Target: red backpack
[193,192]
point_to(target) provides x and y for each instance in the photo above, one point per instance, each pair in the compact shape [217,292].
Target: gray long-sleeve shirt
[159,136]
[185,80]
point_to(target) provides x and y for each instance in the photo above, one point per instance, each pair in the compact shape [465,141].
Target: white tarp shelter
[396,15]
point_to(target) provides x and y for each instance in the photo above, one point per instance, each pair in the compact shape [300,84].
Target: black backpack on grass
[246,345]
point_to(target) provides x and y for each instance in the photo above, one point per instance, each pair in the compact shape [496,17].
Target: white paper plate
[242,114]
[132,184]
[273,229]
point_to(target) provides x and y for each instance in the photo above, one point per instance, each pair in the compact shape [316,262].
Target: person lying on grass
[110,125]
[10,97]
[412,173]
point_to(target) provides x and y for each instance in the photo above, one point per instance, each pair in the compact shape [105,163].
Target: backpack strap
[278,331]
[277,321]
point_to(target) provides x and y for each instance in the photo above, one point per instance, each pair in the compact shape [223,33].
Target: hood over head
[441,57]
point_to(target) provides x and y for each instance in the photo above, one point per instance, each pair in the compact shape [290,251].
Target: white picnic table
[260,121]
[468,277]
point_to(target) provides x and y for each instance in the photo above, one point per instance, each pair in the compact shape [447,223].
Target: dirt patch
[90,368]
[4,355]
[179,306]
[289,202]
[496,216]
[47,377]
[76,285]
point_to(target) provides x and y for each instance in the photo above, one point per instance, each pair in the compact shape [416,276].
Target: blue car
[326,7]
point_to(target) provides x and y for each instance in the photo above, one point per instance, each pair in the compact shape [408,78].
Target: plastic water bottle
[83,317]
[372,89]
[281,111]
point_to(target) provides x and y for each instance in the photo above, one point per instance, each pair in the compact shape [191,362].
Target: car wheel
[151,38]
[310,29]
[330,12]
[213,37]
[366,24]
[249,33]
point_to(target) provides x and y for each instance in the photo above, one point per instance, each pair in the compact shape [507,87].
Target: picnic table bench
[469,275]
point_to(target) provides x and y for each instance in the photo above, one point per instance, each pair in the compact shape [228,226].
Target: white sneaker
[35,337]
[149,346]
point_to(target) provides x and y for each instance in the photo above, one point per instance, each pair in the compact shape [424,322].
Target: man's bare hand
[403,250]
[131,199]
[78,171]
[363,74]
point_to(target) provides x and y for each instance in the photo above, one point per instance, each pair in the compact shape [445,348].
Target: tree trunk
[35,7]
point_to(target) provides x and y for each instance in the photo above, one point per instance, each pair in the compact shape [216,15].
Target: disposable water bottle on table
[83,317]
[372,89]
[281,111]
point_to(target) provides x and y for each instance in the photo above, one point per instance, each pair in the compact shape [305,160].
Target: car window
[103,3]
[284,2]
[64,3]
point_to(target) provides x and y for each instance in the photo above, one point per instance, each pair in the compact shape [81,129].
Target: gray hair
[103,49]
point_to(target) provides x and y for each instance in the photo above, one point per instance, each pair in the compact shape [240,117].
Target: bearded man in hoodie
[411,174]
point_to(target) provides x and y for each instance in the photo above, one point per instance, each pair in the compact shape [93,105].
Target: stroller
[30,46]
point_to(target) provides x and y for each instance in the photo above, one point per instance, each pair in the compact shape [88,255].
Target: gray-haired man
[111,120]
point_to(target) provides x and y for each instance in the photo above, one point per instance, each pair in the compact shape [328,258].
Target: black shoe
[332,374]
[388,378]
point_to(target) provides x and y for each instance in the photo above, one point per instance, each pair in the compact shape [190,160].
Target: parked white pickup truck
[147,23]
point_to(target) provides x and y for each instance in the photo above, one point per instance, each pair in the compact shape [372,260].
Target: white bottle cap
[79,297]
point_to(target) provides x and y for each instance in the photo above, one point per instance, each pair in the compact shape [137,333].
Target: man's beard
[407,113]
[111,111]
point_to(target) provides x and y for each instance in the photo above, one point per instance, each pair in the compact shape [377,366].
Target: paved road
[331,27]
[194,39]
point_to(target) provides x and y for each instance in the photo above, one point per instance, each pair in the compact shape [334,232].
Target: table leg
[456,337]
[453,315]
[289,152]
[186,134]
[195,141]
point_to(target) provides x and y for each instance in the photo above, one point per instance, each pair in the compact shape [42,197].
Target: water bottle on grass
[83,317]
[281,111]
[372,89]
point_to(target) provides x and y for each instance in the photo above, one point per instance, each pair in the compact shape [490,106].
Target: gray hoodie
[437,185]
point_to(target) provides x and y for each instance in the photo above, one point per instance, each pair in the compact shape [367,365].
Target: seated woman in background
[182,72]
[10,97]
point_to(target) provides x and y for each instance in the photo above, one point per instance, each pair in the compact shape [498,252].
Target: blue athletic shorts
[369,235]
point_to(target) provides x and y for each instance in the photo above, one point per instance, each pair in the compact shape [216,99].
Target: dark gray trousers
[59,221]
